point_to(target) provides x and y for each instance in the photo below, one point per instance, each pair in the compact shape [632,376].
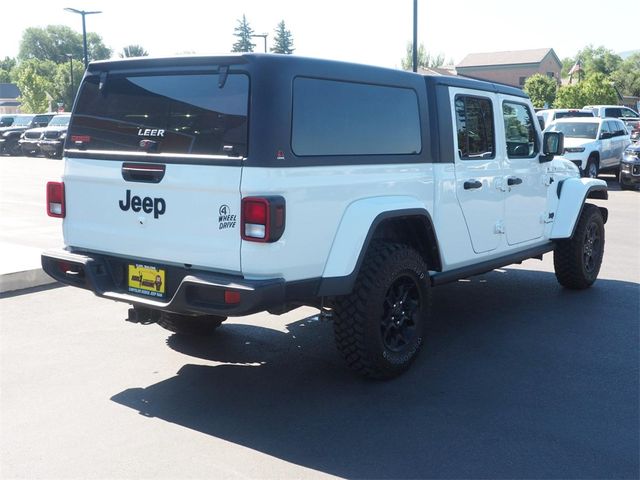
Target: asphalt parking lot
[519,378]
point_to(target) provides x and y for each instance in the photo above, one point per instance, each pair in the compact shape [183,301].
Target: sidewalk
[25,229]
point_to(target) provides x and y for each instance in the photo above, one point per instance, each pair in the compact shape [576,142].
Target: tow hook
[143,316]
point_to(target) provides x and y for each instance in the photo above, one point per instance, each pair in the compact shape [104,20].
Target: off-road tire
[201,325]
[592,169]
[577,260]
[377,338]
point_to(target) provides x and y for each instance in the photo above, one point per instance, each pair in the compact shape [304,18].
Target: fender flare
[354,234]
[572,194]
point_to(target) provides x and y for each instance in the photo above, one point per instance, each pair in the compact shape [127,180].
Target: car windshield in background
[573,114]
[6,121]
[202,114]
[60,121]
[23,121]
[576,130]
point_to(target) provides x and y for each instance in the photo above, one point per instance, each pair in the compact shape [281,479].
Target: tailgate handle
[143,172]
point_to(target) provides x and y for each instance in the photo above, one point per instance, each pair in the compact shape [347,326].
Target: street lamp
[70,57]
[415,36]
[264,36]
[84,31]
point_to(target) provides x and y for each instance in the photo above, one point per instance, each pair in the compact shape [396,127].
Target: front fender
[572,193]
[356,227]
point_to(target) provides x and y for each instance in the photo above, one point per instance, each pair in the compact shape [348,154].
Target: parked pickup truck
[201,188]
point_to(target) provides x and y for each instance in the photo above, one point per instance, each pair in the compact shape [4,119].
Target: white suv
[199,188]
[629,116]
[593,144]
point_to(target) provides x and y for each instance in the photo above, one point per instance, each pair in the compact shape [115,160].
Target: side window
[474,124]
[520,131]
[627,113]
[612,112]
[604,129]
[332,118]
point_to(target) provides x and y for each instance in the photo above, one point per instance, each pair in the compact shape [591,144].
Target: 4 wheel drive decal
[225,218]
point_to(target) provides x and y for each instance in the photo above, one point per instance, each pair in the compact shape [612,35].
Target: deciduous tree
[425,60]
[133,51]
[541,89]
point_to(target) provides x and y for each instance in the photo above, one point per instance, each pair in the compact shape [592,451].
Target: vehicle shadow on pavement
[518,378]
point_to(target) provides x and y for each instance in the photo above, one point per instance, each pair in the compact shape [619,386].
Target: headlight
[625,167]
[63,136]
[574,149]
[21,135]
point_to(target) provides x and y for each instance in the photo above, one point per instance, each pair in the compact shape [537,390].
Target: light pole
[415,35]
[84,31]
[70,57]
[264,36]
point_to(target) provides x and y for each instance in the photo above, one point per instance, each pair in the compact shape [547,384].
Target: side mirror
[552,144]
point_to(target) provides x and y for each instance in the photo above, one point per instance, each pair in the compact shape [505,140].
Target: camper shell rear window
[181,114]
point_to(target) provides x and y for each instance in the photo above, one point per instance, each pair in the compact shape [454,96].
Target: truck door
[525,187]
[478,167]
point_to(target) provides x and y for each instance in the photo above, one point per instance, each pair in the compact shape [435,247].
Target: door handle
[472,184]
[511,181]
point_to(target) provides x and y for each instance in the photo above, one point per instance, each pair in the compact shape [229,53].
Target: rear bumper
[190,291]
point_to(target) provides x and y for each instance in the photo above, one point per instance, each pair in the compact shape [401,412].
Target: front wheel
[201,325]
[379,327]
[591,171]
[623,186]
[577,260]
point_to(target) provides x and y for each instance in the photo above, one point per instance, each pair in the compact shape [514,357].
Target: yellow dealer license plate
[146,280]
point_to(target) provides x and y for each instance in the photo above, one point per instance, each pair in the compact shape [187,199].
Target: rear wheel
[577,260]
[201,325]
[379,327]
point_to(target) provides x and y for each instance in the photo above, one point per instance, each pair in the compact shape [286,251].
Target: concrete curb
[36,277]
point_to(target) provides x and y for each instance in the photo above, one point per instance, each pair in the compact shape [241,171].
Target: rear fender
[355,231]
[572,194]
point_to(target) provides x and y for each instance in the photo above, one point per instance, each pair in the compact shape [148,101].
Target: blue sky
[373,32]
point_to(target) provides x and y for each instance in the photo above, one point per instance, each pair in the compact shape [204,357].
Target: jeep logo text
[146,204]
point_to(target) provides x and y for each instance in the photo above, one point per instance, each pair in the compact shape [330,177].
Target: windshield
[6,121]
[203,114]
[23,121]
[576,130]
[573,114]
[60,121]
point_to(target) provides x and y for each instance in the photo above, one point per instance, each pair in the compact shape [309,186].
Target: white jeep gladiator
[199,188]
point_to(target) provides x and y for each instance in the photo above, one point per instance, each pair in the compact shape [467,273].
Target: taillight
[55,199]
[262,218]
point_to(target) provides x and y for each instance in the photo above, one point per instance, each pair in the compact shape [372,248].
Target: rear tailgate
[189,217]
[154,163]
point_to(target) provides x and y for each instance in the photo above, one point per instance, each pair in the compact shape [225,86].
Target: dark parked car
[7,120]
[11,135]
[52,140]
[629,176]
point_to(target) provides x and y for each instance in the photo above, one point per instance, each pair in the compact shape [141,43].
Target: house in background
[512,67]
[9,94]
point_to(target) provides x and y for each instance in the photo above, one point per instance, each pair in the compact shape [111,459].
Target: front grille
[32,135]
[53,134]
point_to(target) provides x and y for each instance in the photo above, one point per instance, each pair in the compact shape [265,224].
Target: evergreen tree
[243,31]
[283,40]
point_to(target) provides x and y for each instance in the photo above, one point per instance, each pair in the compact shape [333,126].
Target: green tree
[570,96]
[54,42]
[243,31]
[541,89]
[35,81]
[598,90]
[6,69]
[283,40]
[593,60]
[425,60]
[133,51]
[594,90]
[627,77]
